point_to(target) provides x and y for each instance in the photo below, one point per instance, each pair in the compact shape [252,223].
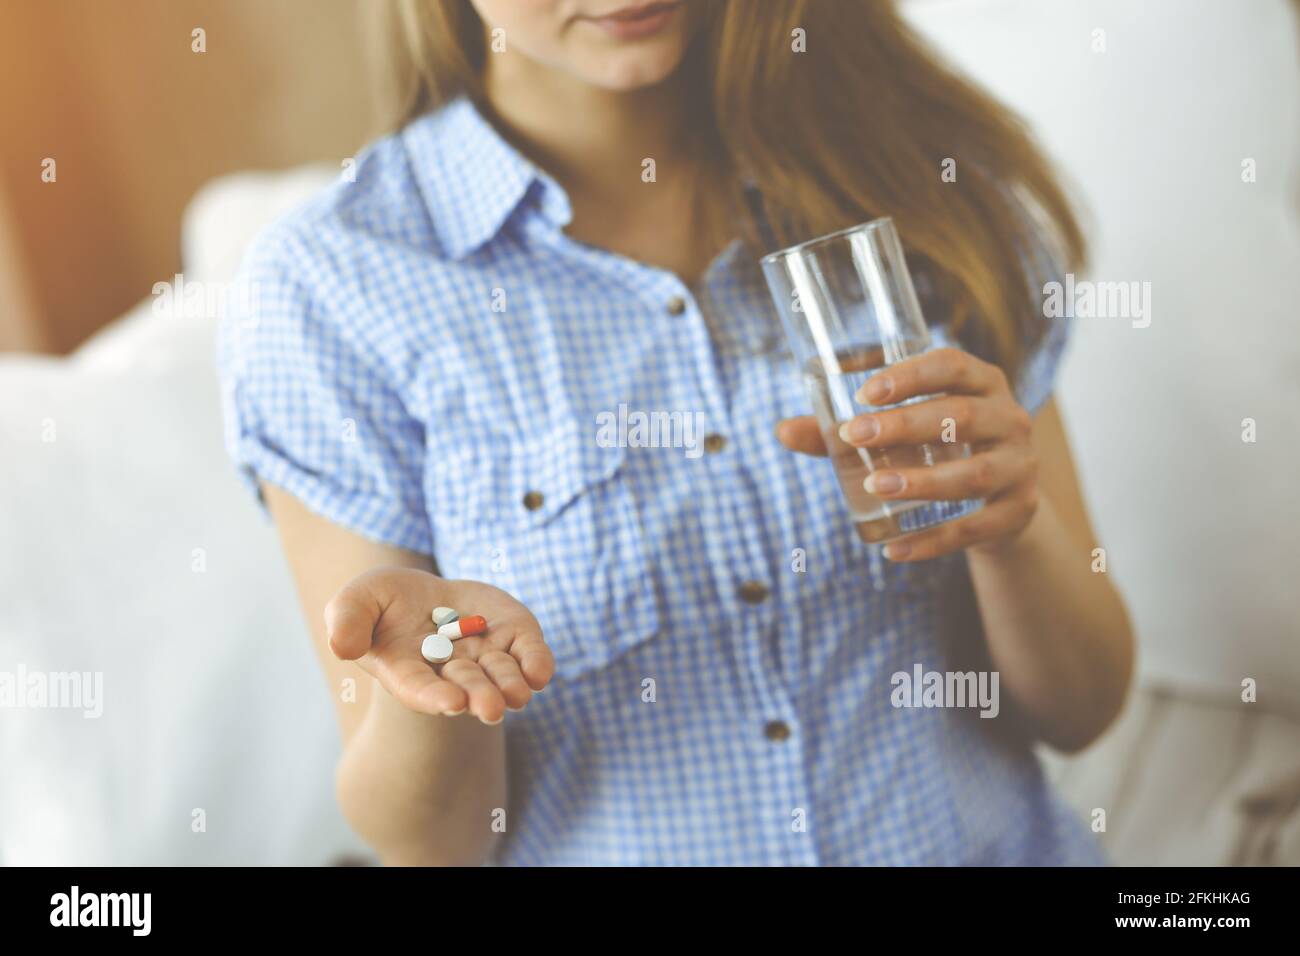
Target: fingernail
[453,713]
[876,390]
[896,551]
[493,723]
[883,483]
[860,429]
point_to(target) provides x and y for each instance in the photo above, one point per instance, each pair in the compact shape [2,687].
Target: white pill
[436,649]
[444,615]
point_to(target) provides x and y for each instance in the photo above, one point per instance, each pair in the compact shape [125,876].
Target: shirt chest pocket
[552,518]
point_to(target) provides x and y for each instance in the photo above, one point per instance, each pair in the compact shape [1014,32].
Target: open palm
[381,618]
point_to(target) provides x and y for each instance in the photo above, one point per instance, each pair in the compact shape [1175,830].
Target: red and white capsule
[465,627]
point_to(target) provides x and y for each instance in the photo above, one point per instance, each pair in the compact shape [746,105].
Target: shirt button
[714,443]
[676,305]
[753,592]
[533,500]
[777,731]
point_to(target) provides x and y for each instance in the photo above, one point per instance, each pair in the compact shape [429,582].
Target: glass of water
[849,308]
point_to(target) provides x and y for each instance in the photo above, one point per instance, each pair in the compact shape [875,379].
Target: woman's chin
[631,71]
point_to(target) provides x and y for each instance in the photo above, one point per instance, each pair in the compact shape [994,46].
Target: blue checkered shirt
[424,357]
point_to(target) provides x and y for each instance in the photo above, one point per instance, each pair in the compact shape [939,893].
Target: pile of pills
[437,647]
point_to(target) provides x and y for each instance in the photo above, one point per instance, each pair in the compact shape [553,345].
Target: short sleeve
[1037,376]
[1045,349]
[308,411]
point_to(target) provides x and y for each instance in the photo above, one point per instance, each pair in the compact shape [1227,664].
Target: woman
[568,222]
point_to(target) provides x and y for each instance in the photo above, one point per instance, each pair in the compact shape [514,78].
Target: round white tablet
[436,649]
[441,615]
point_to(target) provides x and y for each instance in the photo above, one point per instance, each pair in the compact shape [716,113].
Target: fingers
[350,619]
[522,657]
[500,676]
[982,475]
[801,435]
[523,643]
[416,686]
[536,662]
[997,520]
[960,419]
[503,670]
[961,376]
[939,370]
[486,701]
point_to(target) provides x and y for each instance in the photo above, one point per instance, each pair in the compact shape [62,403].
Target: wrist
[1016,546]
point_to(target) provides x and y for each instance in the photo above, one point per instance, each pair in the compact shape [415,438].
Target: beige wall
[136,122]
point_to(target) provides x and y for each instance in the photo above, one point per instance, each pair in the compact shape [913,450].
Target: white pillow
[128,549]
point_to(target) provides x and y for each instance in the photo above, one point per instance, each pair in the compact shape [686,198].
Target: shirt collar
[473,180]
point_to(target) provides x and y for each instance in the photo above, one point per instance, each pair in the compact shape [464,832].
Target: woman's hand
[380,619]
[978,408]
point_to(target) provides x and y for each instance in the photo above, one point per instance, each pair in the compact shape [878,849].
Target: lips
[638,21]
[632,14]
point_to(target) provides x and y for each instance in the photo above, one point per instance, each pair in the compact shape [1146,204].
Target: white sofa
[127,547]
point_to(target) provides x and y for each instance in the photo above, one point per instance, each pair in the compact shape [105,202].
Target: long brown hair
[862,125]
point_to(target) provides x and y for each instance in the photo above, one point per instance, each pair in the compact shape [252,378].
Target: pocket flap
[554,468]
[521,483]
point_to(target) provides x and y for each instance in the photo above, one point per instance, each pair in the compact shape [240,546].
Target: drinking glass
[849,308]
